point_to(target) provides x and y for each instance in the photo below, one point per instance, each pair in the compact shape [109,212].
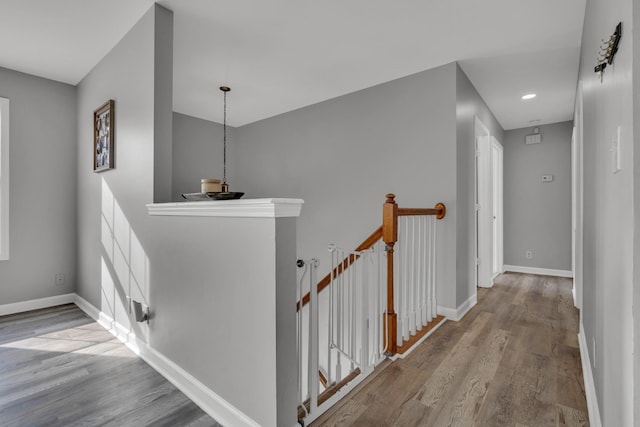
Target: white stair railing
[345,327]
[380,299]
[415,278]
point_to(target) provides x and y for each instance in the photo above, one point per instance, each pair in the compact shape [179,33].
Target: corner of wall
[163,108]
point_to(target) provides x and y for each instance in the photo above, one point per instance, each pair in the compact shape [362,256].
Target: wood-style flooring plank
[571,417]
[513,360]
[59,368]
[463,406]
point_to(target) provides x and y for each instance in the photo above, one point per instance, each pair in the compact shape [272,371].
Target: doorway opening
[489,206]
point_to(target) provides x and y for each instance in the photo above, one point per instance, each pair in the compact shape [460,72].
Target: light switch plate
[547,178]
[616,156]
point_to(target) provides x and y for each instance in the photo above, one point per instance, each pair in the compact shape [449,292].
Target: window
[4,179]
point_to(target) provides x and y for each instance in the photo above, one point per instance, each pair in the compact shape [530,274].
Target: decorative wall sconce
[608,51]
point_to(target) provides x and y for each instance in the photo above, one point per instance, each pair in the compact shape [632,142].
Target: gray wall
[186,269]
[42,194]
[343,155]
[469,105]
[636,208]
[609,222]
[131,182]
[163,110]
[198,153]
[537,215]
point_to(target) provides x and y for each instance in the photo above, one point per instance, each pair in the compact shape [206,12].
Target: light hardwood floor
[60,368]
[513,360]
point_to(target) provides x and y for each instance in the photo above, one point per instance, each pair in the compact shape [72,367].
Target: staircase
[377,302]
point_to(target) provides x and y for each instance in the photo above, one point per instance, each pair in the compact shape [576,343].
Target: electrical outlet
[59,279]
[529,254]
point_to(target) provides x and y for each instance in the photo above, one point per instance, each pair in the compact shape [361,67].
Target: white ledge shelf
[247,208]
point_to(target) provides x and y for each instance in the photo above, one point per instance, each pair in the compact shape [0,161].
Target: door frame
[577,185]
[482,230]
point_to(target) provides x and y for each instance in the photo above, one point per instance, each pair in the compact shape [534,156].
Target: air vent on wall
[534,138]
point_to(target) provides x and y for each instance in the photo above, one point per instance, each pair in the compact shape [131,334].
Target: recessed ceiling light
[529,96]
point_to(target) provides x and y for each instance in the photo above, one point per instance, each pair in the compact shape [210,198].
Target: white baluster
[313,340]
[434,304]
[404,334]
[426,307]
[364,298]
[330,340]
[422,268]
[299,294]
[339,301]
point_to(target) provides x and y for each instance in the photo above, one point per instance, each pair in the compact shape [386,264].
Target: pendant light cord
[224,127]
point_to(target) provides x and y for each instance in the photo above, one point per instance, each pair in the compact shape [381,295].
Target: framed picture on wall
[103,137]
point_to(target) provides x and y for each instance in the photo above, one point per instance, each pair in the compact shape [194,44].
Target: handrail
[439,211]
[346,262]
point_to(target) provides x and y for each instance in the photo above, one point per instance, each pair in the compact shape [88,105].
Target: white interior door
[482,224]
[485,212]
[497,203]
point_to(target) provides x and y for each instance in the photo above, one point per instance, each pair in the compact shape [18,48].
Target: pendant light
[212,188]
[225,185]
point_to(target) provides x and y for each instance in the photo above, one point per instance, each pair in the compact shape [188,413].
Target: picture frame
[103,137]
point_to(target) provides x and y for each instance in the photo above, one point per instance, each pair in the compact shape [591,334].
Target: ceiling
[281,55]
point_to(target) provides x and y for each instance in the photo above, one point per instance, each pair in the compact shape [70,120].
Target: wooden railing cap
[390,198]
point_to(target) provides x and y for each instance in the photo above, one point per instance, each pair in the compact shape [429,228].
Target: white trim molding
[248,208]
[36,304]
[536,270]
[86,306]
[589,383]
[4,179]
[458,313]
[420,341]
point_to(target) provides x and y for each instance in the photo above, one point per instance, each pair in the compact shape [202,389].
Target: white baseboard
[417,343]
[540,271]
[35,304]
[210,402]
[214,405]
[86,306]
[458,313]
[589,383]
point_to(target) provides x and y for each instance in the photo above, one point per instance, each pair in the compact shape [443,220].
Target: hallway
[513,360]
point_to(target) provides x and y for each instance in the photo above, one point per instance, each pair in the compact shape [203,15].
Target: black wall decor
[608,51]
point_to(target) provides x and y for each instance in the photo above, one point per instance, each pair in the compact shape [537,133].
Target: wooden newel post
[390,237]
